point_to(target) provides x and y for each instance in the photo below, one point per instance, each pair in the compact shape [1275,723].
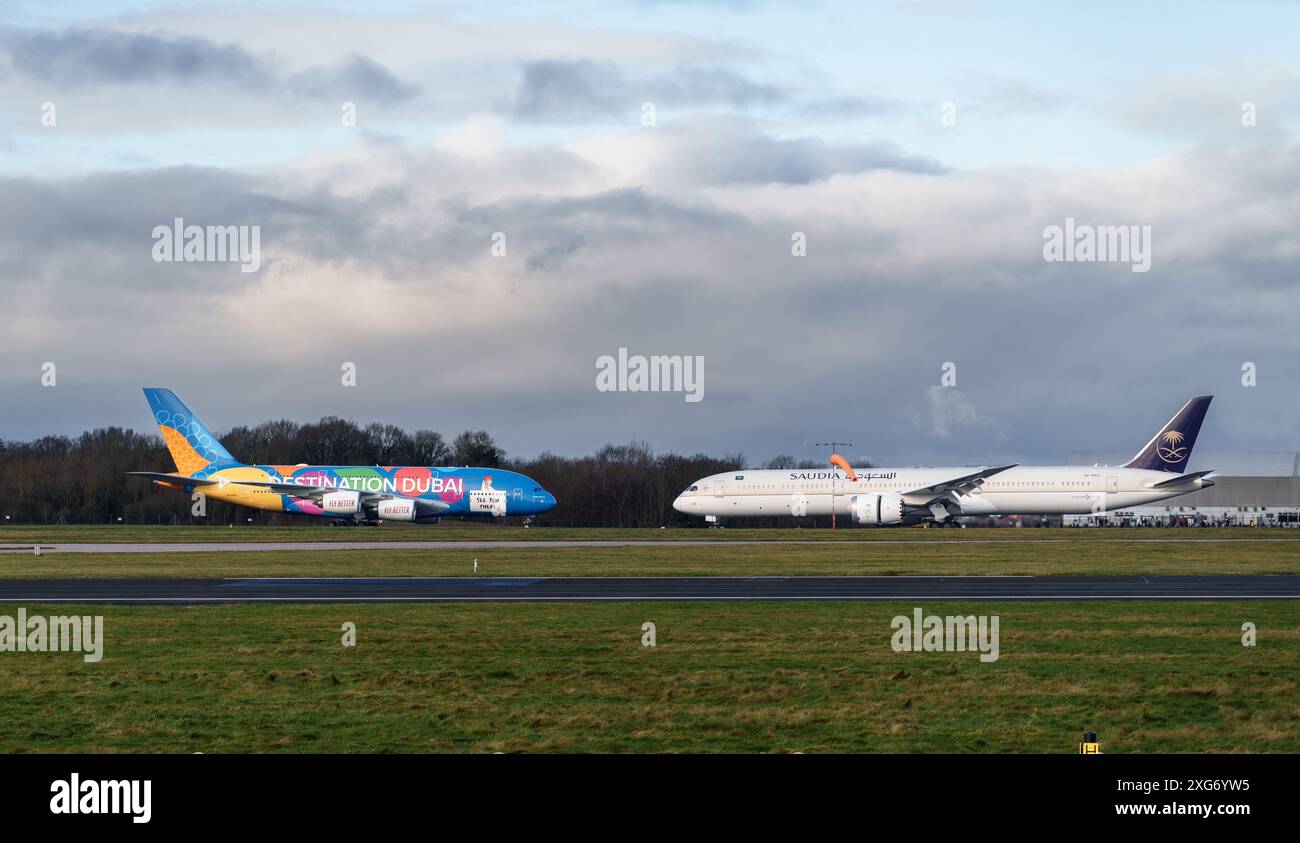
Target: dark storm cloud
[847,107]
[88,57]
[560,90]
[634,206]
[557,90]
[554,256]
[96,235]
[905,271]
[384,230]
[84,56]
[357,76]
[550,231]
[729,152]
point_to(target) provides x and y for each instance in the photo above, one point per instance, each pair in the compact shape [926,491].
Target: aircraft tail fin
[192,445]
[1171,448]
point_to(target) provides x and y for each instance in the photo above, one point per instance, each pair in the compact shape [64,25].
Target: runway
[635,589]
[321,546]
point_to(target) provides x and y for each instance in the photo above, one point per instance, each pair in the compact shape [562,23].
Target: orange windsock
[840,462]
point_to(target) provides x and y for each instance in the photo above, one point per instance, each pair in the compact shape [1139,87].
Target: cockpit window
[693,489]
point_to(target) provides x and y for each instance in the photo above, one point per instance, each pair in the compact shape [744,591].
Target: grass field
[726,677]
[28,535]
[773,677]
[925,558]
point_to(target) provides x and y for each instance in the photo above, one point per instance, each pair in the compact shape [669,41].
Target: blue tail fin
[192,445]
[1171,448]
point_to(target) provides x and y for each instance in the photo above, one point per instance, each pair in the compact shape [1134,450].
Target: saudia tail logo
[1171,447]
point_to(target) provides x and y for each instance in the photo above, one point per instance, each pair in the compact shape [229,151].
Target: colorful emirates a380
[363,494]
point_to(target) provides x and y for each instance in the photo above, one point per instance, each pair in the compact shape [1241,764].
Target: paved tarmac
[246,547]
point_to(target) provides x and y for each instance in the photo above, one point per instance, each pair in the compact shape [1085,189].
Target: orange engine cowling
[876,510]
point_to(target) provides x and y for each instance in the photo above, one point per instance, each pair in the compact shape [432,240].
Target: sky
[842,209]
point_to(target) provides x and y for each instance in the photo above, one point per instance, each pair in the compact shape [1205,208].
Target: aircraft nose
[548,501]
[679,504]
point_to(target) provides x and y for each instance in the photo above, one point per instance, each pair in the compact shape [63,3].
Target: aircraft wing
[950,489]
[303,490]
[299,490]
[180,479]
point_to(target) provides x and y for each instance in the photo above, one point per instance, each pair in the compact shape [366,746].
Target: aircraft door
[1112,484]
[718,488]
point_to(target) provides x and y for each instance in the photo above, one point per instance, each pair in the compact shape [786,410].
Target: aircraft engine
[876,510]
[341,503]
[395,509]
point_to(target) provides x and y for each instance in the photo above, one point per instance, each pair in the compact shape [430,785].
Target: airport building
[1257,488]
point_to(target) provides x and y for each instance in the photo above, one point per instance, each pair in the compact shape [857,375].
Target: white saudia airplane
[893,496]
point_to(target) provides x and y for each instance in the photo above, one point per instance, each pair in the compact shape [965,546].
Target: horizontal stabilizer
[1183,478]
[180,479]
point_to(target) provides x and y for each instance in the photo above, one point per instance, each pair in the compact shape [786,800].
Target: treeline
[83,479]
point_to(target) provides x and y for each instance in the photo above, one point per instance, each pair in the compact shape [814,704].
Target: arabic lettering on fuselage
[835,475]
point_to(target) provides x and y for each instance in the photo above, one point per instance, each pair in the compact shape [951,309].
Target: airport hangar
[1254,488]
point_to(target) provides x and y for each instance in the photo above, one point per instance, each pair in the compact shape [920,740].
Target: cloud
[1212,105]
[730,151]
[357,76]
[659,242]
[401,71]
[584,89]
[88,57]
[554,255]
[950,412]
